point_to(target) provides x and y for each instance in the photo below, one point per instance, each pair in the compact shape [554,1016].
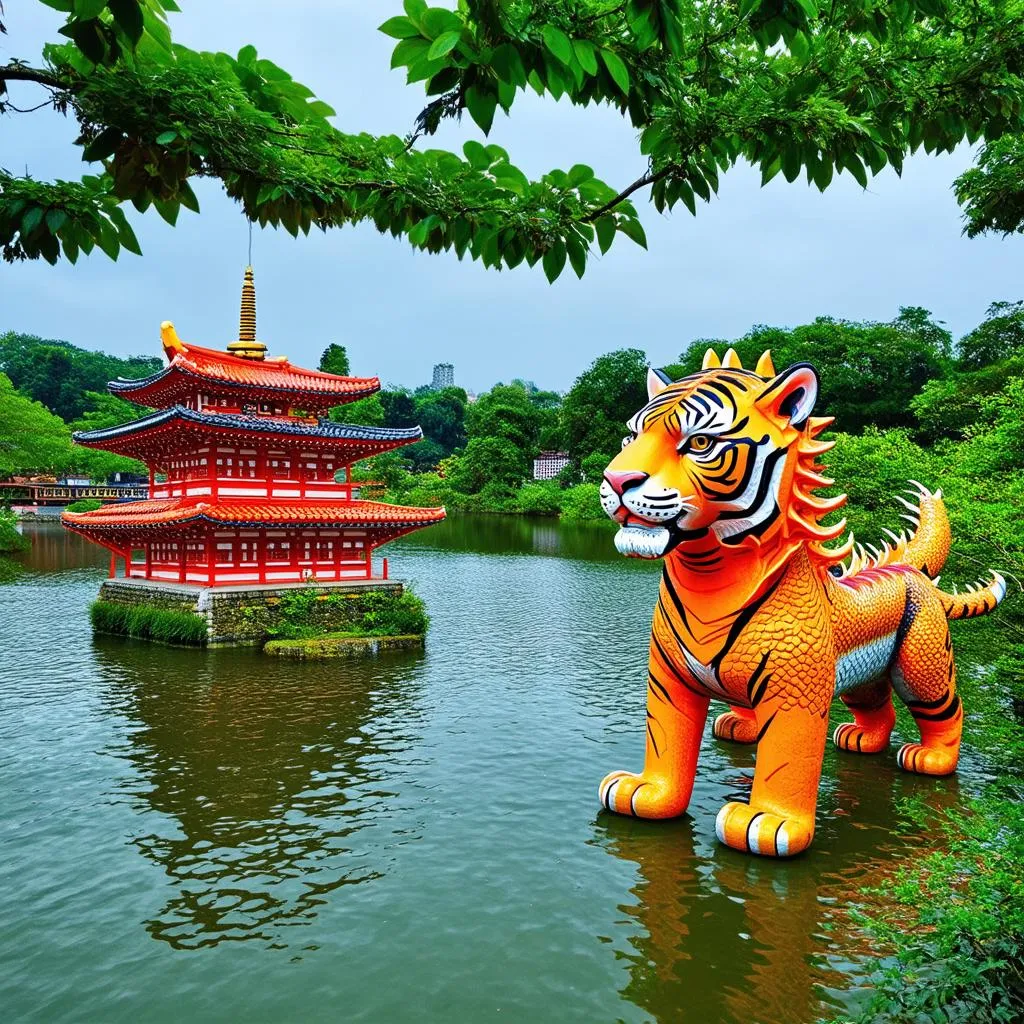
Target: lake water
[213,835]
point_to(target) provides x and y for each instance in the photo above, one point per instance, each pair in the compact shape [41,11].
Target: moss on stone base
[342,645]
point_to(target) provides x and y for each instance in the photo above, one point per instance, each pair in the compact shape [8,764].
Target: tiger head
[726,454]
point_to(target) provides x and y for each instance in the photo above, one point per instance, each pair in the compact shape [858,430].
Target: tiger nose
[620,481]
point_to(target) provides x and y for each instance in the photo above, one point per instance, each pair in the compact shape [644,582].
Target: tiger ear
[656,382]
[790,396]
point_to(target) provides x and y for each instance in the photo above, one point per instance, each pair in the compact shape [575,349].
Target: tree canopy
[791,86]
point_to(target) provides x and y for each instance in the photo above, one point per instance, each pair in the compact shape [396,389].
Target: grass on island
[146,623]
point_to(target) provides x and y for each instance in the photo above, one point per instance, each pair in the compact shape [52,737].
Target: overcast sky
[779,255]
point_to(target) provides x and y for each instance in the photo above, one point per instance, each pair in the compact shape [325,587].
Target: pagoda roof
[148,435]
[222,373]
[157,514]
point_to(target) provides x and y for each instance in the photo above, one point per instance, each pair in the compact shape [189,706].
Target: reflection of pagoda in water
[267,790]
[249,484]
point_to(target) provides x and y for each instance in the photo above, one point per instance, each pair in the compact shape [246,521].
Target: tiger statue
[717,477]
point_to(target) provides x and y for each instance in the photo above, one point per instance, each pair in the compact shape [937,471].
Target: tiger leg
[925,677]
[675,723]
[737,725]
[779,820]
[873,718]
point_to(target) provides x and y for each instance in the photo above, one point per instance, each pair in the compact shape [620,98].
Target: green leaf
[606,228]
[399,28]
[166,138]
[408,51]
[748,7]
[481,104]
[125,234]
[107,239]
[55,219]
[477,155]
[618,70]
[554,261]
[586,54]
[187,197]
[508,65]
[168,209]
[128,16]
[809,7]
[436,21]
[578,174]
[247,55]
[444,44]
[415,9]
[634,230]
[86,9]
[577,254]
[558,43]
[103,145]
[800,46]
[31,219]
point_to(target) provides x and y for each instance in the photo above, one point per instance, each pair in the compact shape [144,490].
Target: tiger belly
[865,663]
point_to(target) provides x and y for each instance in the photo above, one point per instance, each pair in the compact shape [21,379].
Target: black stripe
[752,682]
[939,716]
[743,618]
[764,728]
[654,742]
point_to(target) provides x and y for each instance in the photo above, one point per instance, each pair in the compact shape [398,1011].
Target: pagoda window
[195,552]
[278,550]
[248,551]
[324,550]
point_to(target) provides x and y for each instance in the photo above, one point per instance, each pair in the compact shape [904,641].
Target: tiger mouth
[636,541]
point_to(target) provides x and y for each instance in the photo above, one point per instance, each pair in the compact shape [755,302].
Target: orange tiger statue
[717,477]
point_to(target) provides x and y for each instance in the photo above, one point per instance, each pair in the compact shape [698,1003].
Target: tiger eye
[700,443]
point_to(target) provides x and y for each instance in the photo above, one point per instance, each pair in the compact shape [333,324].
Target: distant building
[548,465]
[444,376]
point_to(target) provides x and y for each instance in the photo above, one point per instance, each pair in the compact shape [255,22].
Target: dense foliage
[790,87]
[69,381]
[376,613]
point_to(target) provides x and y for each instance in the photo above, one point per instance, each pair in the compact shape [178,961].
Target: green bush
[377,613]
[582,502]
[146,623]
[539,499]
[956,923]
[10,539]
[385,614]
[84,505]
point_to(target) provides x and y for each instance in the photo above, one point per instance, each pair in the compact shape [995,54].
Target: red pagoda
[249,483]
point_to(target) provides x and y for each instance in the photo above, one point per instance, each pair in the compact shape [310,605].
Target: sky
[778,255]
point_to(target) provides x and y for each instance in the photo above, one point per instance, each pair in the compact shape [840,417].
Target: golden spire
[247,346]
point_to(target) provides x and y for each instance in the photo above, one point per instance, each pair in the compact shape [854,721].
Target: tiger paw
[641,796]
[735,728]
[850,736]
[749,830]
[922,760]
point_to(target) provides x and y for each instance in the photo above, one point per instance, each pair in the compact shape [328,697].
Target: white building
[548,465]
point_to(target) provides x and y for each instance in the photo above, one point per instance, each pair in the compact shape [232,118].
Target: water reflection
[256,780]
[525,535]
[723,936]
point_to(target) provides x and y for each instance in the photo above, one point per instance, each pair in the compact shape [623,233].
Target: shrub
[375,613]
[84,505]
[386,614]
[146,623]
[538,499]
[10,539]
[582,502]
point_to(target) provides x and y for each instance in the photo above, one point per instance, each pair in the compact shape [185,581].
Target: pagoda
[249,483]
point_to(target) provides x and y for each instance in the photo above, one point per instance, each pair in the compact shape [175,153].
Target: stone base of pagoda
[246,615]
